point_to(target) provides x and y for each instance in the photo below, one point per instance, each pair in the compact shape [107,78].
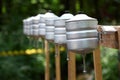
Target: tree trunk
[8,5]
[81,5]
[0,6]
[72,6]
[65,4]
[97,11]
[69,5]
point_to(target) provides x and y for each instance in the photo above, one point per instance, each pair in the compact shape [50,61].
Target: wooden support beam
[97,64]
[118,38]
[72,66]
[47,61]
[57,62]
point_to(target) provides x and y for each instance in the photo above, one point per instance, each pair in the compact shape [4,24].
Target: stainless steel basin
[49,36]
[60,39]
[81,25]
[60,28]
[82,44]
[82,34]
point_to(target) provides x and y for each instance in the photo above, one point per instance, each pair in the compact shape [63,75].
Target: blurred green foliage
[22,67]
[31,67]
[109,64]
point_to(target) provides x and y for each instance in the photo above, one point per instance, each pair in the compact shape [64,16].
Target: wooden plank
[108,29]
[72,66]
[57,62]
[108,36]
[97,64]
[47,61]
[118,36]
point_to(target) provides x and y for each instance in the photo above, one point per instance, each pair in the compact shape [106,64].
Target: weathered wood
[57,62]
[108,39]
[47,61]
[97,64]
[72,66]
[118,37]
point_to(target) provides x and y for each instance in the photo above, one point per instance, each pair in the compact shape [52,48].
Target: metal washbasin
[82,35]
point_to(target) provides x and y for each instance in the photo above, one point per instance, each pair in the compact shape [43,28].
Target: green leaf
[33,1]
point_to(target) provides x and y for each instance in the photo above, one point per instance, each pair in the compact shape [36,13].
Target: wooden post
[118,36]
[72,66]
[47,61]
[97,64]
[57,62]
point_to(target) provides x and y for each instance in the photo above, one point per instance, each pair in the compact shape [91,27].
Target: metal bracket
[99,36]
